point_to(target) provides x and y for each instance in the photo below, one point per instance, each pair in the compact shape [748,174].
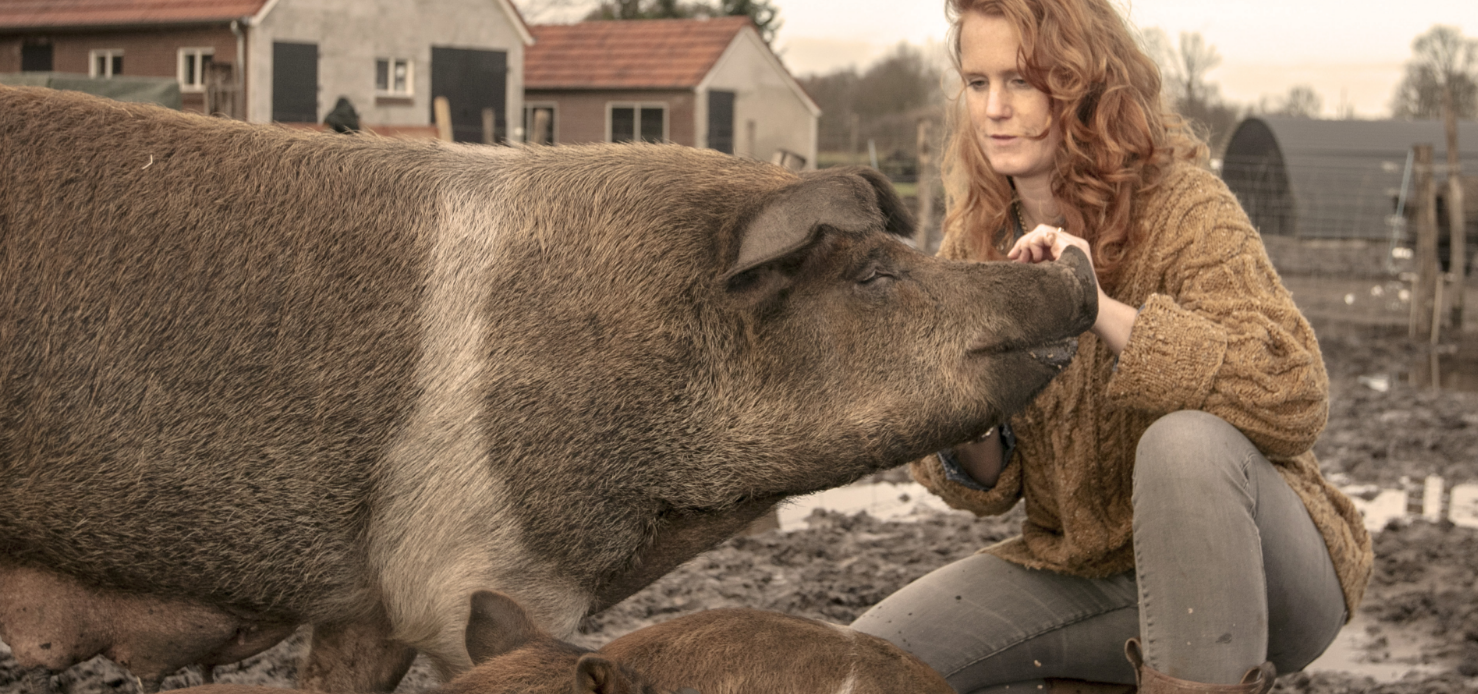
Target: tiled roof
[625,54]
[20,14]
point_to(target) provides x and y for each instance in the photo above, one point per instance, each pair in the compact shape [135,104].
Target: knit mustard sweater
[1218,333]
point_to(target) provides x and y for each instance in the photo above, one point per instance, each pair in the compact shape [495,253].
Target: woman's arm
[983,458]
[1115,318]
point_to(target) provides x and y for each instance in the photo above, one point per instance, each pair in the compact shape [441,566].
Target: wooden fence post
[442,108]
[1458,248]
[1424,294]
[926,187]
[541,124]
[856,123]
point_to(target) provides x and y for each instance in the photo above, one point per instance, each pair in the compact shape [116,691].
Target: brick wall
[580,116]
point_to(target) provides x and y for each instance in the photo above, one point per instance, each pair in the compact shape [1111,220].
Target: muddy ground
[1420,613]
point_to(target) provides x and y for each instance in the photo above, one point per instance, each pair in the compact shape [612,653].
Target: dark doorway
[472,81]
[36,57]
[295,82]
[721,121]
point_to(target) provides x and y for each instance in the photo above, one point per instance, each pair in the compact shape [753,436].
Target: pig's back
[208,334]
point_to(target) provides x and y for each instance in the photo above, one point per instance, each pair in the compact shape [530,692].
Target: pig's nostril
[1056,355]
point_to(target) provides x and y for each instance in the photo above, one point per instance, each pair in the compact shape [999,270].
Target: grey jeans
[1230,571]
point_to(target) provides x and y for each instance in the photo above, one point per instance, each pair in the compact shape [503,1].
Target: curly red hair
[1117,135]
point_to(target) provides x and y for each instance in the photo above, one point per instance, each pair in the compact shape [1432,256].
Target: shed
[289,61]
[1333,178]
[699,82]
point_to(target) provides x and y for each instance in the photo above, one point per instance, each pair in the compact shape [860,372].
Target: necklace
[1016,205]
[1018,232]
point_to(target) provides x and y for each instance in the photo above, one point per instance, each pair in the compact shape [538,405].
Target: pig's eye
[874,274]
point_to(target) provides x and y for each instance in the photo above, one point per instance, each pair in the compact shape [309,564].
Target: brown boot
[1064,686]
[1258,680]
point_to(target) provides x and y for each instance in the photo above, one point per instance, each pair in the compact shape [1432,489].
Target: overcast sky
[1349,51]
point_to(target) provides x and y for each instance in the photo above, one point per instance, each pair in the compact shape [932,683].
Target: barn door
[471,80]
[721,121]
[294,82]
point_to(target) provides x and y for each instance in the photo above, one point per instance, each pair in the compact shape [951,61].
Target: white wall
[765,96]
[351,34]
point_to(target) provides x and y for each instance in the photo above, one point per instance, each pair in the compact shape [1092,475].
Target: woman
[1171,494]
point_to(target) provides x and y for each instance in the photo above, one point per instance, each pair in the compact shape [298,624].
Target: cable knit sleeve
[1221,334]
[994,501]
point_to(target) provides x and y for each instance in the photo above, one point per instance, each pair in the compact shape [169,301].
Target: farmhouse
[1339,178]
[700,82]
[290,61]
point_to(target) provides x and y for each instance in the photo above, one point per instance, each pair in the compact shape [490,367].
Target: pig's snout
[1076,260]
[1082,269]
[1057,355]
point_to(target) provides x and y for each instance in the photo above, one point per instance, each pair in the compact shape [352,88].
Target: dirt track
[1421,609]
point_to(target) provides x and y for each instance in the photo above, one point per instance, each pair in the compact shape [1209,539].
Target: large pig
[251,379]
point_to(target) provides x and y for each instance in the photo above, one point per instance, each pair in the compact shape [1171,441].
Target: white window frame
[390,63]
[528,120]
[194,56]
[638,106]
[92,61]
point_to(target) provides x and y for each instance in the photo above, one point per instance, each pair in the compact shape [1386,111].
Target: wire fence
[1342,196]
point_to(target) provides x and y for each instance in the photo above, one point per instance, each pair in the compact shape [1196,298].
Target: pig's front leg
[355,657]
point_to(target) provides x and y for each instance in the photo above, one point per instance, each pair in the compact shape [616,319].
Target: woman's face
[1006,113]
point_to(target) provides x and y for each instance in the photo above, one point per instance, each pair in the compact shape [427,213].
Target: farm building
[289,61]
[1337,178]
[699,82]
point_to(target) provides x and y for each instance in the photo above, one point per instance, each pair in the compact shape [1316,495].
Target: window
[631,122]
[393,76]
[105,62]
[194,64]
[538,123]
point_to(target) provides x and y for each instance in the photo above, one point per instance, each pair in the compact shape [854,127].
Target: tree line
[763,13]
[884,102]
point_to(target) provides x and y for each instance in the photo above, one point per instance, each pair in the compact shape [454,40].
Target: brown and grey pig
[252,378]
[721,651]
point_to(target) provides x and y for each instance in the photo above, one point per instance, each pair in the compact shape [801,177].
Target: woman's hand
[1115,318]
[1046,243]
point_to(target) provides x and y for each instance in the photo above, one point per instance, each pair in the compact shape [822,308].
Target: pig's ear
[597,675]
[496,626]
[850,199]
[897,218]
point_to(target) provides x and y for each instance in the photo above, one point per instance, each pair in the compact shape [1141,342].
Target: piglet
[721,651]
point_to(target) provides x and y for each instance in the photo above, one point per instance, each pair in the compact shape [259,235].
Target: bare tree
[1301,101]
[1183,69]
[900,81]
[763,13]
[765,16]
[882,103]
[1183,66]
[1442,62]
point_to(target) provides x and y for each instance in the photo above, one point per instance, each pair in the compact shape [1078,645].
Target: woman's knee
[1190,449]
